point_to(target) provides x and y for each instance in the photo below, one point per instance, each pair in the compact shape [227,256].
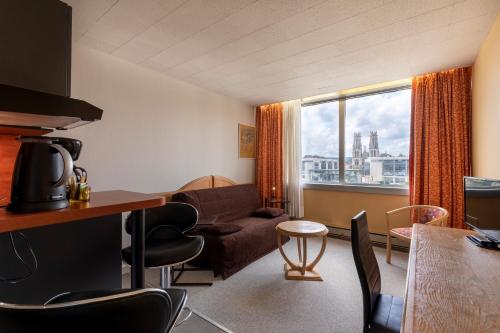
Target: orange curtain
[440,142]
[269,164]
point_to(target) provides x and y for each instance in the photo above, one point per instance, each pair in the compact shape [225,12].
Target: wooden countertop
[100,204]
[452,285]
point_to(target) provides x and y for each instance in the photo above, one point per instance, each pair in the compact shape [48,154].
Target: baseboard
[378,240]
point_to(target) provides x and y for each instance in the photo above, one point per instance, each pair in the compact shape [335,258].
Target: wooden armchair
[424,214]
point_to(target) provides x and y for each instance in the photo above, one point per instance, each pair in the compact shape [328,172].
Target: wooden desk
[101,204]
[452,285]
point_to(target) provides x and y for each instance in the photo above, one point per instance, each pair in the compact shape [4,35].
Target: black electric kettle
[43,166]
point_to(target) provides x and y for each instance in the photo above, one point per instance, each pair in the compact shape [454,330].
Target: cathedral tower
[357,152]
[374,152]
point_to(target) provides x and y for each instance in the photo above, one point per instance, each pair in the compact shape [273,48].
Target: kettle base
[30,207]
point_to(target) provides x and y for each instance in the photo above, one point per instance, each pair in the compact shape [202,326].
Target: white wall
[156,133]
[486,106]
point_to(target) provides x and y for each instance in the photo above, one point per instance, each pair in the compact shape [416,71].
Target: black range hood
[29,108]
[35,67]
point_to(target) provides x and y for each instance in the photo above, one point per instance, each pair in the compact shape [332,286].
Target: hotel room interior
[250,166]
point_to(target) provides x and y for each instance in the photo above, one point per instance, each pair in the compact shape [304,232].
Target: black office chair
[381,313]
[166,241]
[124,311]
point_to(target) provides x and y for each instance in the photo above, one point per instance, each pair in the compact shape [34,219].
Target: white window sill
[403,191]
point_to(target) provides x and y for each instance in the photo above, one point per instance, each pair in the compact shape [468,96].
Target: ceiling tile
[249,19]
[86,13]
[310,29]
[473,8]
[190,19]
[268,50]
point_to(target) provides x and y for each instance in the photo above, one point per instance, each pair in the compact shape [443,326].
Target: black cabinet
[77,256]
[35,45]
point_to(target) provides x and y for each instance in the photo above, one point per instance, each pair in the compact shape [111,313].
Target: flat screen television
[482,206]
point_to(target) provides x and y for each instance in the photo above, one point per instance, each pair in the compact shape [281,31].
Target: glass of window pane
[377,136]
[320,143]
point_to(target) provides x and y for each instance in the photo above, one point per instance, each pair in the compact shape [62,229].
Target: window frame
[342,185]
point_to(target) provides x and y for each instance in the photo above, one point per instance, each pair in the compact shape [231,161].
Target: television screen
[482,206]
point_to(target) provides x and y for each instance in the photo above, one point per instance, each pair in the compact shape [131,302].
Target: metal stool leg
[165,277]
[175,277]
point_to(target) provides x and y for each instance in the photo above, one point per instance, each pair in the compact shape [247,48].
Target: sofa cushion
[227,254]
[218,229]
[225,203]
[257,238]
[269,212]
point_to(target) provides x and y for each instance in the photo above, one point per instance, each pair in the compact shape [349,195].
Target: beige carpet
[259,299]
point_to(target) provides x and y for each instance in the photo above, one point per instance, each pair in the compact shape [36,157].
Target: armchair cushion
[269,212]
[404,232]
[429,215]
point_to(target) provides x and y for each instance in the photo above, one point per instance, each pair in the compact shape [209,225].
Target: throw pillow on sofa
[269,212]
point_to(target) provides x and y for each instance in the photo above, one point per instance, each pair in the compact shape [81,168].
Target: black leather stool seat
[387,314]
[164,253]
[126,311]
[177,298]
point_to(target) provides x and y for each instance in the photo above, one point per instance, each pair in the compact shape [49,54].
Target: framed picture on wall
[246,139]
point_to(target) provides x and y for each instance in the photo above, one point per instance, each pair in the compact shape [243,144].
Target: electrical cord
[31,271]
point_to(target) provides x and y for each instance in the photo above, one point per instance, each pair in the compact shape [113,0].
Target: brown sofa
[234,236]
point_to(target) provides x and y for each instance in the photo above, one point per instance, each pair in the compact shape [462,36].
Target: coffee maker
[43,166]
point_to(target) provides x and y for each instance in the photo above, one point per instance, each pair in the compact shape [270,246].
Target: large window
[320,143]
[361,140]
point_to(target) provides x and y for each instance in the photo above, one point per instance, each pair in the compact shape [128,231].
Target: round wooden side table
[302,229]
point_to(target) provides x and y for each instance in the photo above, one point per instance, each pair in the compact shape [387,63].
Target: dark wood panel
[101,204]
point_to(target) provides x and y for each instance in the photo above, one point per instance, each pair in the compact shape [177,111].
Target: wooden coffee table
[302,229]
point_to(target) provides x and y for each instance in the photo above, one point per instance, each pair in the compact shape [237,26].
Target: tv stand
[483,242]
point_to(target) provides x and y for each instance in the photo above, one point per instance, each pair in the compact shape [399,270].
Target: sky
[388,114]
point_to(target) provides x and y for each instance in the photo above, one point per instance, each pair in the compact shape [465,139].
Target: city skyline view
[388,114]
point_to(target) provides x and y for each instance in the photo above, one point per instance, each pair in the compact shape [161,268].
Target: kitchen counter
[100,204]
[77,248]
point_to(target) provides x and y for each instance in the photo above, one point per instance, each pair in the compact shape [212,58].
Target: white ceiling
[264,51]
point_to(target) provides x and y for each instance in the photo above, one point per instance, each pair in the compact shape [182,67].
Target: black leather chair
[381,313]
[124,311]
[166,241]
